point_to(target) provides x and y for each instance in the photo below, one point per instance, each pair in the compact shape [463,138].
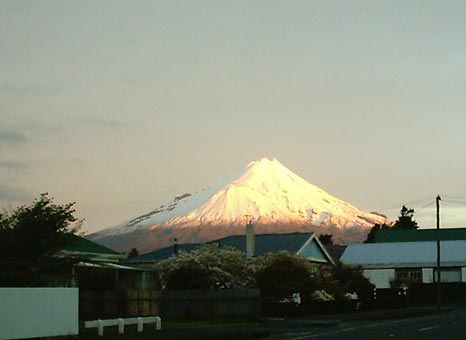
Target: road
[449,325]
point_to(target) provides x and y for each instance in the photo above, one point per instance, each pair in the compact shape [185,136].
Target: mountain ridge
[273,197]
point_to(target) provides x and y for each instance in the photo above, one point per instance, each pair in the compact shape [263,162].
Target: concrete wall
[381,278]
[38,312]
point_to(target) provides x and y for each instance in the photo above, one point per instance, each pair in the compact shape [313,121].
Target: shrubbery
[277,275]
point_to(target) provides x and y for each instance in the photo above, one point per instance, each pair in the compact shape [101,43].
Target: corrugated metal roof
[405,254]
[446,234]
[264,243]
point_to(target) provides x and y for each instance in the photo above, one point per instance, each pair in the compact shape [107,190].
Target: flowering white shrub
[321,295]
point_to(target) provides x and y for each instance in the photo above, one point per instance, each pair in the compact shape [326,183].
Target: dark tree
[281,274]
[133,253]
[31,238]
[326,239]
[405,221]
[373,232]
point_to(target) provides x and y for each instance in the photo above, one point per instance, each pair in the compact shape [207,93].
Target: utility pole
[439,286]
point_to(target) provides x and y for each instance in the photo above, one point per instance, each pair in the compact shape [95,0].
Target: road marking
[326,333]
[428,328]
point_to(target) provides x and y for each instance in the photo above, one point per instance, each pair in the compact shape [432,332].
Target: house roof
[405,254]
[83,245]
[267,243]
[264,243]
[446,234]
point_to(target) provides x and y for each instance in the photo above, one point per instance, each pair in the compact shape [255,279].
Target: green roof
[83,245]
[448,234]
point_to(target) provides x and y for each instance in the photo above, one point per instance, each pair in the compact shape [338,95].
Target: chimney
[250,241]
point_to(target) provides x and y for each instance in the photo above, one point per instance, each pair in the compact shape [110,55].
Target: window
[406,275]
[448,275]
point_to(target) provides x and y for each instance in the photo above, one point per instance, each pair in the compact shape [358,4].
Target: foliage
[208,267]
[133,253]
[31,237]
[405,221]
[373,232]
[279,275]
[326,239]
[341,280]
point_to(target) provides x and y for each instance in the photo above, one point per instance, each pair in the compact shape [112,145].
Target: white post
[158,323]
[121,326]
[100,327]
[140,324]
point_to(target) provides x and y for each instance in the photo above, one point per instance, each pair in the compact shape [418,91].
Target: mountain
[267,193]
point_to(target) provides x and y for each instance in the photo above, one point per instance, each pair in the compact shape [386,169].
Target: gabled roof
[84,248]
[405,254]
[267,243]
[297,243]
[83,245]
[446,234]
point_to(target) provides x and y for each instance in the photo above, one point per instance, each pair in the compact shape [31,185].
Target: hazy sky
[121,105]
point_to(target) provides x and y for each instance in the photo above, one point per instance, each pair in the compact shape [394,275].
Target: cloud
[12,137]
[13,165]
[12,194]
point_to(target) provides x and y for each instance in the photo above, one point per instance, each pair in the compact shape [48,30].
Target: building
[419,235]
[394,264]
[99,267]
[305,244]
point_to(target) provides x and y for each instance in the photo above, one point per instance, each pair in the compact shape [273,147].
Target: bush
[208,267]
[281,274]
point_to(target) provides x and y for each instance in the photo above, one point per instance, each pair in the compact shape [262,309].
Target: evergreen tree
[405,220]
[133,253]
[31,238]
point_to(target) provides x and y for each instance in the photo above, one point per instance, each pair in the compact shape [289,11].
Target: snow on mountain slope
[272,196]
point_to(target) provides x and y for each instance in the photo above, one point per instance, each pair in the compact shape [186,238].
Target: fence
[38,312]
[175,304]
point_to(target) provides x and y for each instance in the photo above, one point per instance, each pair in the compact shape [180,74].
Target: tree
[281,274]
[326,239]
[350,280]
[405,220]
[374,230]
[133,253]
[31,237]
[208,267]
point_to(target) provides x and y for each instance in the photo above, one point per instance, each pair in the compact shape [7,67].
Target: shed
[397,263]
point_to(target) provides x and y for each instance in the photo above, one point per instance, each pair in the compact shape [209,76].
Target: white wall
[427,275]
[380,277]
[38,312]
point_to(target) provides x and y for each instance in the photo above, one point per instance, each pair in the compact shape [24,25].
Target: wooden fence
[170,305]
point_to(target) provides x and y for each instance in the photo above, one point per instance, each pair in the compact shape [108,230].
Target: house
[392,264]
[86,250]
[305,244]
[418,235]
[99,267]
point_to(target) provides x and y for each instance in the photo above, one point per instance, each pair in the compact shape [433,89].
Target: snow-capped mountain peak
[266,191]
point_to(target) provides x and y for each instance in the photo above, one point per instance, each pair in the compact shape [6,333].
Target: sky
[120,106]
